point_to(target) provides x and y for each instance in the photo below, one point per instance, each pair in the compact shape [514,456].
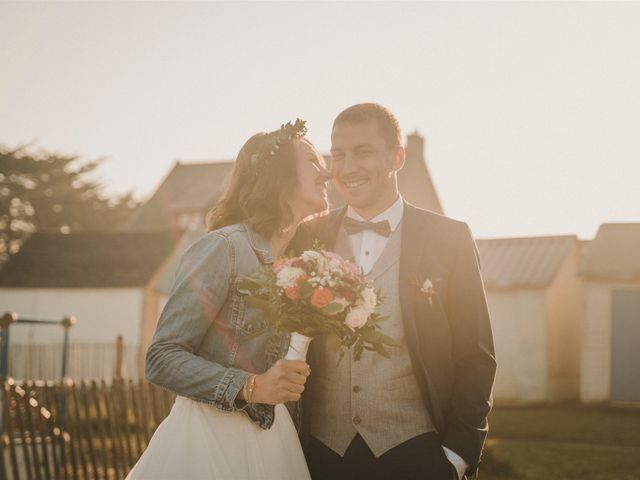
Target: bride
[217,353]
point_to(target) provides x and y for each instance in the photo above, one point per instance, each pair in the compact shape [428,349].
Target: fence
[86,431]
[85,360]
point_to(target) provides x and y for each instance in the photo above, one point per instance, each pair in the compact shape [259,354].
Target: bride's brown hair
[257,192]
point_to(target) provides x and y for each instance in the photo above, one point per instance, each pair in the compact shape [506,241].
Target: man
[422,413]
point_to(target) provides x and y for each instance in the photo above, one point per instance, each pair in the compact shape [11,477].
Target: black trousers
[422,458]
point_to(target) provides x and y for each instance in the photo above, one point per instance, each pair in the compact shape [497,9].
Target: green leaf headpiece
[274,141]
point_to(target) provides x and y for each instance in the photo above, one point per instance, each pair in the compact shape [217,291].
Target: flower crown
[287,133]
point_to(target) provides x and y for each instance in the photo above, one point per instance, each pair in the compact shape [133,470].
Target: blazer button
[357,420]
[356,388]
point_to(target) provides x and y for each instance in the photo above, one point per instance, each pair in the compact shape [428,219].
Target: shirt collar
[393,214]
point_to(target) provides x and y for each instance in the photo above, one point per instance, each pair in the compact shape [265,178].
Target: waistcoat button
[357,420]
[356,388]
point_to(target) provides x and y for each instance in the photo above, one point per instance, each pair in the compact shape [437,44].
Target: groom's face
[363,166]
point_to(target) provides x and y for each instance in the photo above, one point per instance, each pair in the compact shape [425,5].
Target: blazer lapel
[414,233]
[410,256]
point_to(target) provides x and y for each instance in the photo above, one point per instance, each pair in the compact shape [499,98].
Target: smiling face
[310,194]
[364,167]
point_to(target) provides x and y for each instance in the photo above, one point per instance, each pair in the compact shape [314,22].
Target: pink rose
[357,318]
[351,268]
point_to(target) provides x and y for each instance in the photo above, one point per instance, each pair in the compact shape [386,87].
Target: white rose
[287,276]
[310,255]
[356,318]
[369,300]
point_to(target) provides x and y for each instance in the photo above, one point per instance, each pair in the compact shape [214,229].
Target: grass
[564,442]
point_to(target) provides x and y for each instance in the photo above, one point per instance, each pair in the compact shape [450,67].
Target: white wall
[102,314]
[563,331]
[517,319]
[595,373]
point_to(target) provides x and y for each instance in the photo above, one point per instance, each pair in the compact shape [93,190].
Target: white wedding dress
[198,441]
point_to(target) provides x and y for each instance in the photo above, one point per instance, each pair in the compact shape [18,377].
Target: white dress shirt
[367,246]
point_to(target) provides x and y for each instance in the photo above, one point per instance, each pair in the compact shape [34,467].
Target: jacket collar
[259,244]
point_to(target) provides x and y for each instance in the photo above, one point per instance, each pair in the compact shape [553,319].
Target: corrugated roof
[614,254]
[530,262]
[88,259]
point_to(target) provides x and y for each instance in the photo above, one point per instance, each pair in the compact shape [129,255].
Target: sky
[531,111]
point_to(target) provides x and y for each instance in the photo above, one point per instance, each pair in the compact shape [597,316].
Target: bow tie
[353,226]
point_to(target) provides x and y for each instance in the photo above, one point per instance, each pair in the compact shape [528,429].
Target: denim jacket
[208,340]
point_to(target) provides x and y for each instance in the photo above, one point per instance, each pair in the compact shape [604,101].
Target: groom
[423,412]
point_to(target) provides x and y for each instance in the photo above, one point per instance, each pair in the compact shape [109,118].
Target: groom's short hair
[373,112]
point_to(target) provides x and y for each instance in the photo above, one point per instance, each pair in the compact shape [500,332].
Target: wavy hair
[258,194]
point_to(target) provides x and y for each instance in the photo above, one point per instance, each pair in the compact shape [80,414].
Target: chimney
[415,148]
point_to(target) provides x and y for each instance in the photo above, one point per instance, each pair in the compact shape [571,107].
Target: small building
[105,279]
[534,299]
[610,271]
[191,189]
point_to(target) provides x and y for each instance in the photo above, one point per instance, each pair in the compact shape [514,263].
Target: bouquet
[320,293]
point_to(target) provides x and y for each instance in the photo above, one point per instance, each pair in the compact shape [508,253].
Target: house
[105,279]
[534,298]
[191,189]
[610,271]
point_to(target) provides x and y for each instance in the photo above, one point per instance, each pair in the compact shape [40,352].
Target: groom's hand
[283,382]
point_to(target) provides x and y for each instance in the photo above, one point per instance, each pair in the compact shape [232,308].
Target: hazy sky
[531,111]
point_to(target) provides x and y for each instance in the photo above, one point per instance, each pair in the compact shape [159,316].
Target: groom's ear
[397,161]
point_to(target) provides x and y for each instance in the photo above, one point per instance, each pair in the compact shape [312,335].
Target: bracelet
[248,388]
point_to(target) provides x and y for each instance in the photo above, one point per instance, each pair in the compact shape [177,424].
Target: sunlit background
[530,111]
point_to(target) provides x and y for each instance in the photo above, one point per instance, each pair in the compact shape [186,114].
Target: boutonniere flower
[427,289]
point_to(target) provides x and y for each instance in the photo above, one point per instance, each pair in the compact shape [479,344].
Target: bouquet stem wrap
[298,347]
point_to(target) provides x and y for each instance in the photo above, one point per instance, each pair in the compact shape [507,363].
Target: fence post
[7,319]
[119,356]
[67,323]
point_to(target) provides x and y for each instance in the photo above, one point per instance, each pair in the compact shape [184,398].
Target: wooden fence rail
[81,431]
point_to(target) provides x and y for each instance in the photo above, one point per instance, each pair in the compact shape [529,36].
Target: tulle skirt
[201,442]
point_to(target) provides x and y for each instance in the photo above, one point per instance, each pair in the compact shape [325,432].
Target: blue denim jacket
[208,340]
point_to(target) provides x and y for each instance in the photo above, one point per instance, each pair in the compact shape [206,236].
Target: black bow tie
[353,226]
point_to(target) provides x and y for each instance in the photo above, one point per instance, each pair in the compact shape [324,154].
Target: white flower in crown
[427,288]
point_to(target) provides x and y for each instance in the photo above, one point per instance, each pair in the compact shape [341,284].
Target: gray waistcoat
[376,397]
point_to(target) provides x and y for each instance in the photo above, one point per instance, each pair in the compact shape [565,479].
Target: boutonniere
[427,289]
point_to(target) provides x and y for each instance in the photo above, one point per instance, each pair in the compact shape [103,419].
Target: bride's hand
[283,382]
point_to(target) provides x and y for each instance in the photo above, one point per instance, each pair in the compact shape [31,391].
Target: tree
[52,192]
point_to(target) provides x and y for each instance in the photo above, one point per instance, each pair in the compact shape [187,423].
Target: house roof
[88,259]
[614,254]
[187,188]
[531,262]
[194,187]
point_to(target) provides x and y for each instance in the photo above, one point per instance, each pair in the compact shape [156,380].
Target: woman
[220,356]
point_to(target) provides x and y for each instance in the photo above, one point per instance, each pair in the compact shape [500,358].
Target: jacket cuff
[228,388]
[226,398]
